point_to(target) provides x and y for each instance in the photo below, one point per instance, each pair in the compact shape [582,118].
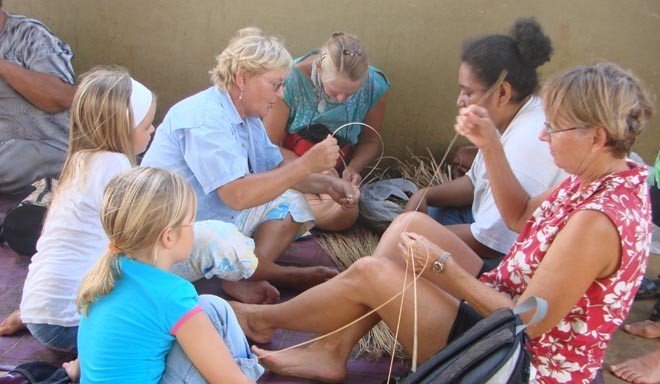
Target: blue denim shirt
[204,139]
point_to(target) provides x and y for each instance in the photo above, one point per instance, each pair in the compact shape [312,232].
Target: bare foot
[302,278]
[647,328]
[245,315]
[642,370]
[72,369]
[11,324]
[251,292]
[312,362]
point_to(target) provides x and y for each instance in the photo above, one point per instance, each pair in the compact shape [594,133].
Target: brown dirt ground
[625,346]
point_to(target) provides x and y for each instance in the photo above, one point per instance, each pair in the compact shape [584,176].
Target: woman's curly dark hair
[520,53]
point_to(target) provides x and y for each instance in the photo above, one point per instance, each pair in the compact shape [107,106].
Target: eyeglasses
[548,130]
[277,85]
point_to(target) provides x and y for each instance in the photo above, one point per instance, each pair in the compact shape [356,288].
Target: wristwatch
[439,264]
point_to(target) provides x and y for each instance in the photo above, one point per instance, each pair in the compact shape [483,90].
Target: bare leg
[347,298]
[333,351]
[251,292]
[434,231]
[271,239]
[647,329]
[72,369]
[12,324]
[642,370]
[368,283]
[329,215]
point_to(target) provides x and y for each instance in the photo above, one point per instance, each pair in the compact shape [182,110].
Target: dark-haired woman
[326,89]
[466,204]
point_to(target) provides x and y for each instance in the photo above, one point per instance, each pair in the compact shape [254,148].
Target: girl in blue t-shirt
[326,89]
[139,322]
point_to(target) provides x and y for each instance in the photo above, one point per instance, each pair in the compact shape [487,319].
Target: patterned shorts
[290,202]
[227,251]
[220,249]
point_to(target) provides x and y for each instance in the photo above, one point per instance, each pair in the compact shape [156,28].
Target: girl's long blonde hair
[138,205]
[100,120]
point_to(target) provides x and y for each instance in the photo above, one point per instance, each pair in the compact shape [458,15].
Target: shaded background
[170,45]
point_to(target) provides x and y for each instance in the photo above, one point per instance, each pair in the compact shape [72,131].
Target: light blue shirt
[204,139]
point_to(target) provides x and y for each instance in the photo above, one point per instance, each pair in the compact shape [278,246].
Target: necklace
[318,85]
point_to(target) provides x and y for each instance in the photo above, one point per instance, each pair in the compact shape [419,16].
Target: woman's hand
[344,193]
[474,123]
[421,250]
[322,156]
[351,175]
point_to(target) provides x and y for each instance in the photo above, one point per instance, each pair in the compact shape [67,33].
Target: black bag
[37,372]
[493,351]
[23,223]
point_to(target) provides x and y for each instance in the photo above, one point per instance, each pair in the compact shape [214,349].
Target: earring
[240,97]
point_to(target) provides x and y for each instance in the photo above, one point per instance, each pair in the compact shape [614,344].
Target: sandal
[655,314]
[648,289]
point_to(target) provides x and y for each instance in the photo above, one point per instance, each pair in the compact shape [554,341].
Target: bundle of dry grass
[344,249]
[424,171]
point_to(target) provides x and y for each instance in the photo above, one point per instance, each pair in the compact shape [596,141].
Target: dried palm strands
[345,248]
[423,170]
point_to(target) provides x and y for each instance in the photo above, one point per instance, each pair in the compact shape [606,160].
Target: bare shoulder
[593,234]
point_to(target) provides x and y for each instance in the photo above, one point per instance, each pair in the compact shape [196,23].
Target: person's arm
[275,124]
[207,351]
[513,202]
[45,91]
[258,188]
[586,249]
[369,144]
[455,193]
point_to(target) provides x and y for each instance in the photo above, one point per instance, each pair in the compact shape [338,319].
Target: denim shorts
[452,215]
[55,336]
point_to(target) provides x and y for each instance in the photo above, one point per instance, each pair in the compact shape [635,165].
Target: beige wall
[170,44]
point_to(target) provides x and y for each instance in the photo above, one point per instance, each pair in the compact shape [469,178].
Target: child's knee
[216,308]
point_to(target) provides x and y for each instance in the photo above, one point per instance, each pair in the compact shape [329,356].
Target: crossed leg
[329,215]
[271,239]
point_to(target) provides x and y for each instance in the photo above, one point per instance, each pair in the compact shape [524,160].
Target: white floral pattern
[573,351]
